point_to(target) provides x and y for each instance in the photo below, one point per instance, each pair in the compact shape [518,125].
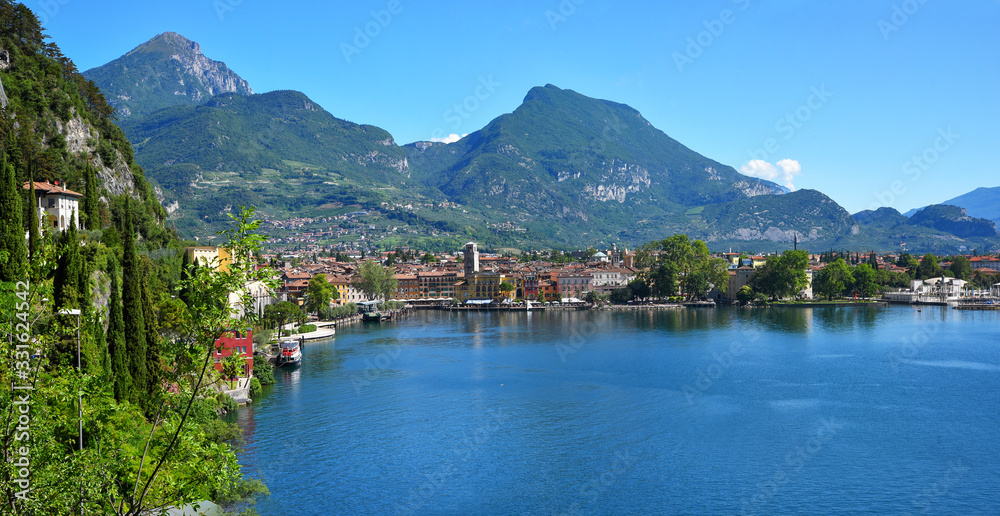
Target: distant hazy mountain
[954,220]
[167,70]
[982,203]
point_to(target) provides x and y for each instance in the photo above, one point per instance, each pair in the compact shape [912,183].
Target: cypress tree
[152,341]
[118,362]
[69,269]
[135,328]
[188,271]
[83,285]
[11,225]
[33,236]
[91,199]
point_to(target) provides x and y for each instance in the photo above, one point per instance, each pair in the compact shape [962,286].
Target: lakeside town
[620,276]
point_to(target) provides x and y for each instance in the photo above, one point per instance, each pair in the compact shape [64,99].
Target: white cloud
[784,173]
[451,138]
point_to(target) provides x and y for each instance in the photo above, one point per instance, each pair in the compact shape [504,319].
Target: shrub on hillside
[262,371]
[255,388]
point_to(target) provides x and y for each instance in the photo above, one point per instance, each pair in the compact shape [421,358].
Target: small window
[52,203]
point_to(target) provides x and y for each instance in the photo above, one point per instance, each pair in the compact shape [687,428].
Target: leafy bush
[203,411]
[325,313]
[345,311]
[261,338]
[226,402]
[391,305]
[262,371]
[306,328]
[255,388]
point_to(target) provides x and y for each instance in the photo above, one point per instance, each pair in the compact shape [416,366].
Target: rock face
[81,140]
[165,71]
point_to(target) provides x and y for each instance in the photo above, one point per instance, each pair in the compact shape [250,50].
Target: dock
[978,305]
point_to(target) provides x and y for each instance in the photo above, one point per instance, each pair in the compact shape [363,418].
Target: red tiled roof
[47,188]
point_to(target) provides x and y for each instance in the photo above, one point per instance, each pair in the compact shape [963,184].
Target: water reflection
[478,414]
[791,320]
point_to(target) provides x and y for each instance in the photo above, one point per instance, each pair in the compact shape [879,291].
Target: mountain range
[982,202]
[561,170]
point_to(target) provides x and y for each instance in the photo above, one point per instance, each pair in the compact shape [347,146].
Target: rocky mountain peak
[169,42]
[167,70]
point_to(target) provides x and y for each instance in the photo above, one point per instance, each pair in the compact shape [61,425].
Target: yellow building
[486,285]
[216,257]
[345,289]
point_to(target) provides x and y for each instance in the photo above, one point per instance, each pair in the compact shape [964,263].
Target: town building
[738,277]
[985,262]
[294,284]
[56,206]
[345,290]
[573,284]
[470,259]
[217,258]
[603,281]
[436,284]
[234,342]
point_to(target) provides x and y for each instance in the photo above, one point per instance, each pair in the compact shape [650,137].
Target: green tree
[705,271]
[319,293]
[620,296]
[832,279]
[506,288]
[69,269]
[232,367]
[663,279]
[910,263]
[866,280]
[33,224]
[153,363]
[745,294]
[639,289]
[782,276]
[282,312]
[132,313]
[13,253]
[961,267]
[91,198]
[121,377]
[928,267]
[374,280]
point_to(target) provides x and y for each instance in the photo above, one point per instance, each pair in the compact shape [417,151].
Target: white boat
[289,353]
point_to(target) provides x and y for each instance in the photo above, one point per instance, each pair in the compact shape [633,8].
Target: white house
[56,205]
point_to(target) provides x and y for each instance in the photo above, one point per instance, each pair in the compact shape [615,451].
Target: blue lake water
[697,411]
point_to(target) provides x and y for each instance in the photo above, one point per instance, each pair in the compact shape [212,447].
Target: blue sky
[873,102]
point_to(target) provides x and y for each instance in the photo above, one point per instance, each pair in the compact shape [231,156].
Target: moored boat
[289,353]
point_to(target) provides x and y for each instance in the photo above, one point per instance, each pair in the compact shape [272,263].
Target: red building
[235,342]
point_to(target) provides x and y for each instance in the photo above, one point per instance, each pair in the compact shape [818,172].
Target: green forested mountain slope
[57,124]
